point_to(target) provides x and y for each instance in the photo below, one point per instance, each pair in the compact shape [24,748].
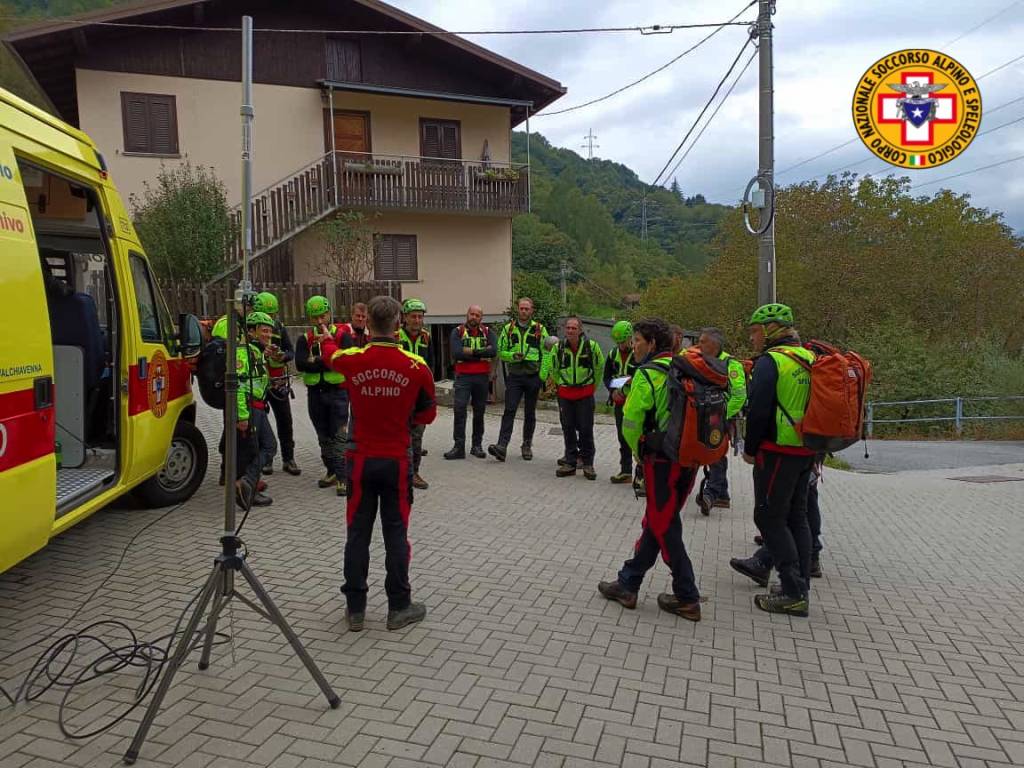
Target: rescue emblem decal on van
[156,387]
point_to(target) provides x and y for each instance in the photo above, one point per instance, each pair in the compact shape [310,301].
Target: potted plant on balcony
[498,174]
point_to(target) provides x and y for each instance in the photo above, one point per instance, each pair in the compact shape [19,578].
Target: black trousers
[328,410]
[577,418]
[256,446]
[813,522]
[780,512]
[625,453]
[517,387]
[282,408]
[668,485]
[473,388]
[378,484]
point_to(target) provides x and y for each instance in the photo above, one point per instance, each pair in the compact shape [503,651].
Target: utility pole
[564,270]
[643,218]
[590,145]
[766,152]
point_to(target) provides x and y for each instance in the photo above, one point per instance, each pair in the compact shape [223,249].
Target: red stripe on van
[25,433]
[179,384]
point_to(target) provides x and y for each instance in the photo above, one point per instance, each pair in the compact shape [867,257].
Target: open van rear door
[28,482]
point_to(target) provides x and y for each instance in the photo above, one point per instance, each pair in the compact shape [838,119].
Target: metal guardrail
[958,417]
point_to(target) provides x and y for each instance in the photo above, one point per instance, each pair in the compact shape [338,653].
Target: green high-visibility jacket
[792,393]
[528,342]
[737,386]
[419,346]
[574,370]
[253,378]
[647,393]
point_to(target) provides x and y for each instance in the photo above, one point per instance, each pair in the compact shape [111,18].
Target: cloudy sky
[822,47]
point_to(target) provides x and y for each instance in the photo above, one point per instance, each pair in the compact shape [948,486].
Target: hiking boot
[564,470]
[291,467]
[327,480]
[622,478]
[497,451]
[268,469]
[527,452]
[243,494]
[478,451]
[404,616]
[261,486]
[781,603]
[725,503]
[815,566]
[759,540]
[355,621]
[562,462]
[672,604]
[589,473]
[341,488]
[261,500]
[419,483]
[613,590]
[458,451]
[753,569]
[705,501]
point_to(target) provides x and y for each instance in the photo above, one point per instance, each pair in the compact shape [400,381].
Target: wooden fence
[188,297]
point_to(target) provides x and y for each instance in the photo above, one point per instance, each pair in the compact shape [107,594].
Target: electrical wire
[707,104]
[650,74]
[711,119]
[50,670]
[652,29]
[967,173]
[975,28]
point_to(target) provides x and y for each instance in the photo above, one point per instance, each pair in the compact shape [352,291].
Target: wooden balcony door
[352,143]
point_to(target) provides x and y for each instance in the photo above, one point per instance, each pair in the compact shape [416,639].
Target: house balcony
[376,182]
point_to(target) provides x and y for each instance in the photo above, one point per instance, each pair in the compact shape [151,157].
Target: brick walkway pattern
[913,654]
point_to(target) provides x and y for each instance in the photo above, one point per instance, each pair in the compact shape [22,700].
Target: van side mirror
[190,335]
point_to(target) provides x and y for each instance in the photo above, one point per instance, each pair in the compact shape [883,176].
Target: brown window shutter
[344,61]
[405,257]
[384,269]
[163,125]
[430,146]
[450,144]
[134,113]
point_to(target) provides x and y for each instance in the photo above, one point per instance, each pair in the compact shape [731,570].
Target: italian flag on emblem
[917,160]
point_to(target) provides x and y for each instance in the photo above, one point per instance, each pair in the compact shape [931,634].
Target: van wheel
[183,472]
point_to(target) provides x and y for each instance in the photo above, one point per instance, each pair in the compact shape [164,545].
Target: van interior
[75,260]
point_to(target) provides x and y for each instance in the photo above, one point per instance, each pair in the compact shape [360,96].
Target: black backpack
[210,371]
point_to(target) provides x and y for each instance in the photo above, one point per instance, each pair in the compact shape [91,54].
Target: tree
[675,190]
[184,222]
[347,248]
[547,301]
[540,248]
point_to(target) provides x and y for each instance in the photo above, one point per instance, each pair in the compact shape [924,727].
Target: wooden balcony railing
[380,182]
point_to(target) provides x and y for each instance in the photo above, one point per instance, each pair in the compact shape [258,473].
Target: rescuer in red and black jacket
[389,390]
[473,347]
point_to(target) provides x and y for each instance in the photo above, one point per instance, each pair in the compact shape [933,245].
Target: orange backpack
[697,432]
[834,418]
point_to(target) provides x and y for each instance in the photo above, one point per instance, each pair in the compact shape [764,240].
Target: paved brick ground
[913,654]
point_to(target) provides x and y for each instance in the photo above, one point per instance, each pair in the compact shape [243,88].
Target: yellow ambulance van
[95,383]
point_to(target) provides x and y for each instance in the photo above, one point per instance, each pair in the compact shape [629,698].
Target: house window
[440,138]
[150,123]
[395,258]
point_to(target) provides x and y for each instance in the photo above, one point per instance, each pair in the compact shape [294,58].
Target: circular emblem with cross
[156,387]
[917,108]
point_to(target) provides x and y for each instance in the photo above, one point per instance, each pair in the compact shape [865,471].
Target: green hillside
[588,214]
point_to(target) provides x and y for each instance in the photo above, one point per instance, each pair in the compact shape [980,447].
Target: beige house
[412,127]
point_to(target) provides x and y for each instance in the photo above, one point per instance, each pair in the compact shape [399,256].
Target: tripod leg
[289,633]
[220,599]
[173,665]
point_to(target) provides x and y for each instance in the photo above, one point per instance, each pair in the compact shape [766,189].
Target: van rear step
[73,484]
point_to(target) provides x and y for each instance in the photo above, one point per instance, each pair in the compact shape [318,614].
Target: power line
[654,29]
[711,119]
[975,28]
[707,104]
[589,146]
[967,173]
[653,72]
